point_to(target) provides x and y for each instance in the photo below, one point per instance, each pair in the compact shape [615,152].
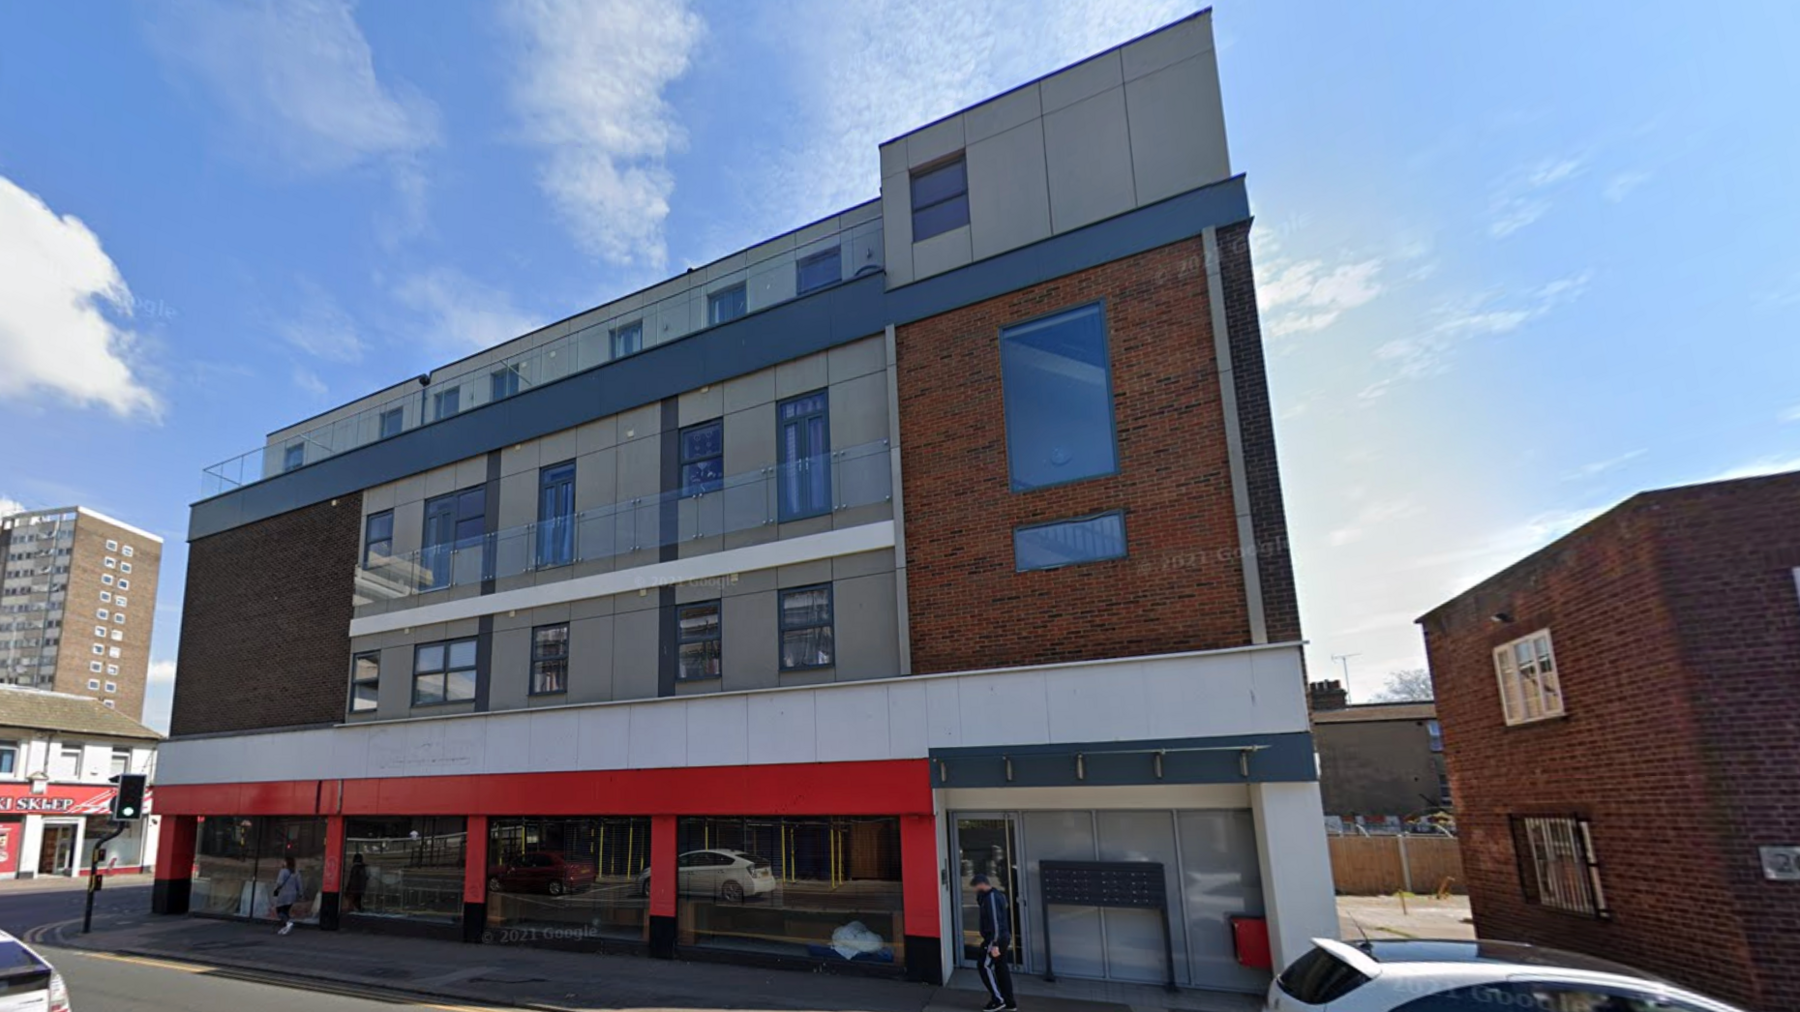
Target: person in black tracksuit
[996,940]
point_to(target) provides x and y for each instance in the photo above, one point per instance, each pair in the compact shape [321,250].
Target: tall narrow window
[503,383]
[454,525]
[726,304]
[378,539]
[444,672]
[556,515]
[806,633]
[445,403]
[392,421]
[1058,390]
[703,457]
[365,682]
[805,467]
[9,758]
[550,659]
[628,339]
[940,199]
[698,639]
[293,457]
[820,270]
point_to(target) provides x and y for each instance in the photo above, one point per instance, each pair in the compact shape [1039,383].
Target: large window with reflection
[408,867]
[562,880]
[236,860]
[821,887]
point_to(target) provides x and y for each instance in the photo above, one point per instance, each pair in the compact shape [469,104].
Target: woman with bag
[287,893]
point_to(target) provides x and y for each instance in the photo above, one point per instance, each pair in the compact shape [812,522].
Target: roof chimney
[1329,695]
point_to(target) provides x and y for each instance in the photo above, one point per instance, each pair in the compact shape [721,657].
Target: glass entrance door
[988,844]
[56,854]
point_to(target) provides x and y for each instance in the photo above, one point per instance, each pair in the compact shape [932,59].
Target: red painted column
[174,864]
[663,913]
[475,876]
[921,890]
[332,877]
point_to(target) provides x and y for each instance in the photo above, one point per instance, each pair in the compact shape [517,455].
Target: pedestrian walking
[996,943]
[288,889]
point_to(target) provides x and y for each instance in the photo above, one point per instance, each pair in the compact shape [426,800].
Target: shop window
[408,868]
[567,880]
[236,860]
[825,888]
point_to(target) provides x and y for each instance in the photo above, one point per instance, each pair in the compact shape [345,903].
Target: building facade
[751,615]
[67,621]
[1379,763]
[1622,730]
[58,754]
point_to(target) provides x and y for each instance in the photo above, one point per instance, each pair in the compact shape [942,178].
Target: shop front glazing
[560,879]
[406,867]
[236,859]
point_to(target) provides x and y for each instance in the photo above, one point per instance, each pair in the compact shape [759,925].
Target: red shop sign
[58,800]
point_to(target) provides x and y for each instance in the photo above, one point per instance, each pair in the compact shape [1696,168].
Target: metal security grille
[1557,866]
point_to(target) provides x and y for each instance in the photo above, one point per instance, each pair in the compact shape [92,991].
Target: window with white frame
[1530,688]
[93,685]
[66,765]
[119,617]
[9,758]
[112,652]
[124,567]
[106,597]
[112,546]
[120,600]
[121,761]
[95,667]
[99,649]
[106,578]
[1557,865]
[100,631]
[124,584]
[128,551]
[118,635]
[112,563]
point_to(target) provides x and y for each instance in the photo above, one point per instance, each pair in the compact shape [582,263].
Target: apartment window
[111,545]
[111,563]
[124,584]
[100,631]
[109,704]
[127,551]
[9,758]
[106,597]
[805,456]
[293,456]
[550,659]
[628,339]
[95,667]
[446,403]
[94,683]
[452,522]
[806,637]
[378,539]
[118,635]
[1058,391]
[556,515]
[503,383]
[726,304]
[1530,688]
[120,600]
[697,632]
[112,652]
[119,617]
[67,764]
[391,422]
[124,567]
[703,457]
[444,672]
[1069,542]
[365,682]
[99,650]
[106,578]
[121,762]
[940,199]
[820,270]
[1557,866]
[1436,731]
[102,614]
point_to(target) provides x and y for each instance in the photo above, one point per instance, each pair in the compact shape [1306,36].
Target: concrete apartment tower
[77,605]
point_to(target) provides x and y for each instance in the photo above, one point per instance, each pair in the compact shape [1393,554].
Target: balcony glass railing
[802,269]
[817,486]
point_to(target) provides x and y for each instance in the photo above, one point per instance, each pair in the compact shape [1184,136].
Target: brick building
[67,618]
[751,615]
[1379,763]
[1622,731]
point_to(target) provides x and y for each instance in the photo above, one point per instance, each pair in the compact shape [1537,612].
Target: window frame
[626,339]
[714,299]
[685,460]
[293,457]
[451,397]
[1101,308]
[446,670]
[540,658]
[1124,541]
[370,540]
[1508,674]
[450,506]
[358,679]
[554,544]
[799,505]
[398,415]
[1578,890]
[783,627]
[504,382]
[834,256]
[9,758]
[716,636]
[912,188]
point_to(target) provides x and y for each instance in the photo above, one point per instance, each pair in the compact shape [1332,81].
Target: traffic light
[128,803]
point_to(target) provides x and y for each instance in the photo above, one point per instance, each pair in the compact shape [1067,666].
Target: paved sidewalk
[1389,917]
[549,979]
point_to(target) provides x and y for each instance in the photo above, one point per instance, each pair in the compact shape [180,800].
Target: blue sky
[1517,262]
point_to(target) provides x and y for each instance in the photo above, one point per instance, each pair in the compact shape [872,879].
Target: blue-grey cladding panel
[1227,759]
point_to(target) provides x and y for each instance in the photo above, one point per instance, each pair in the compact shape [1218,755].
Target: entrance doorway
[56,854]
[987,844]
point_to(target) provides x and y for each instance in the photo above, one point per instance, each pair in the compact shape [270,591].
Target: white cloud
[1620,186]
[1519,200]
[298,80]
[1600,467]
[159,696]
[10,506]
[1375,513]
[1429,353]
[462,314]
[1465,567]
[321,328]
[590,81]
[1306,296]
[59,296]
[310,382]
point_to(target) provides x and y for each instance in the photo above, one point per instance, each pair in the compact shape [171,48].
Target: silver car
[1463,976]
[28,983]
[730,875]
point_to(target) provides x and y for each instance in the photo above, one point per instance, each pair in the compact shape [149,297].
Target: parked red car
[541,871]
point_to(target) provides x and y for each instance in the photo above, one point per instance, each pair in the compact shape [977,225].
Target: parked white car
[1463,976]
[28,983]
[730,875]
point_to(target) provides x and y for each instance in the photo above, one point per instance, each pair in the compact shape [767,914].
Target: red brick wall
[1180,588]
[1677,630]
[265,625]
